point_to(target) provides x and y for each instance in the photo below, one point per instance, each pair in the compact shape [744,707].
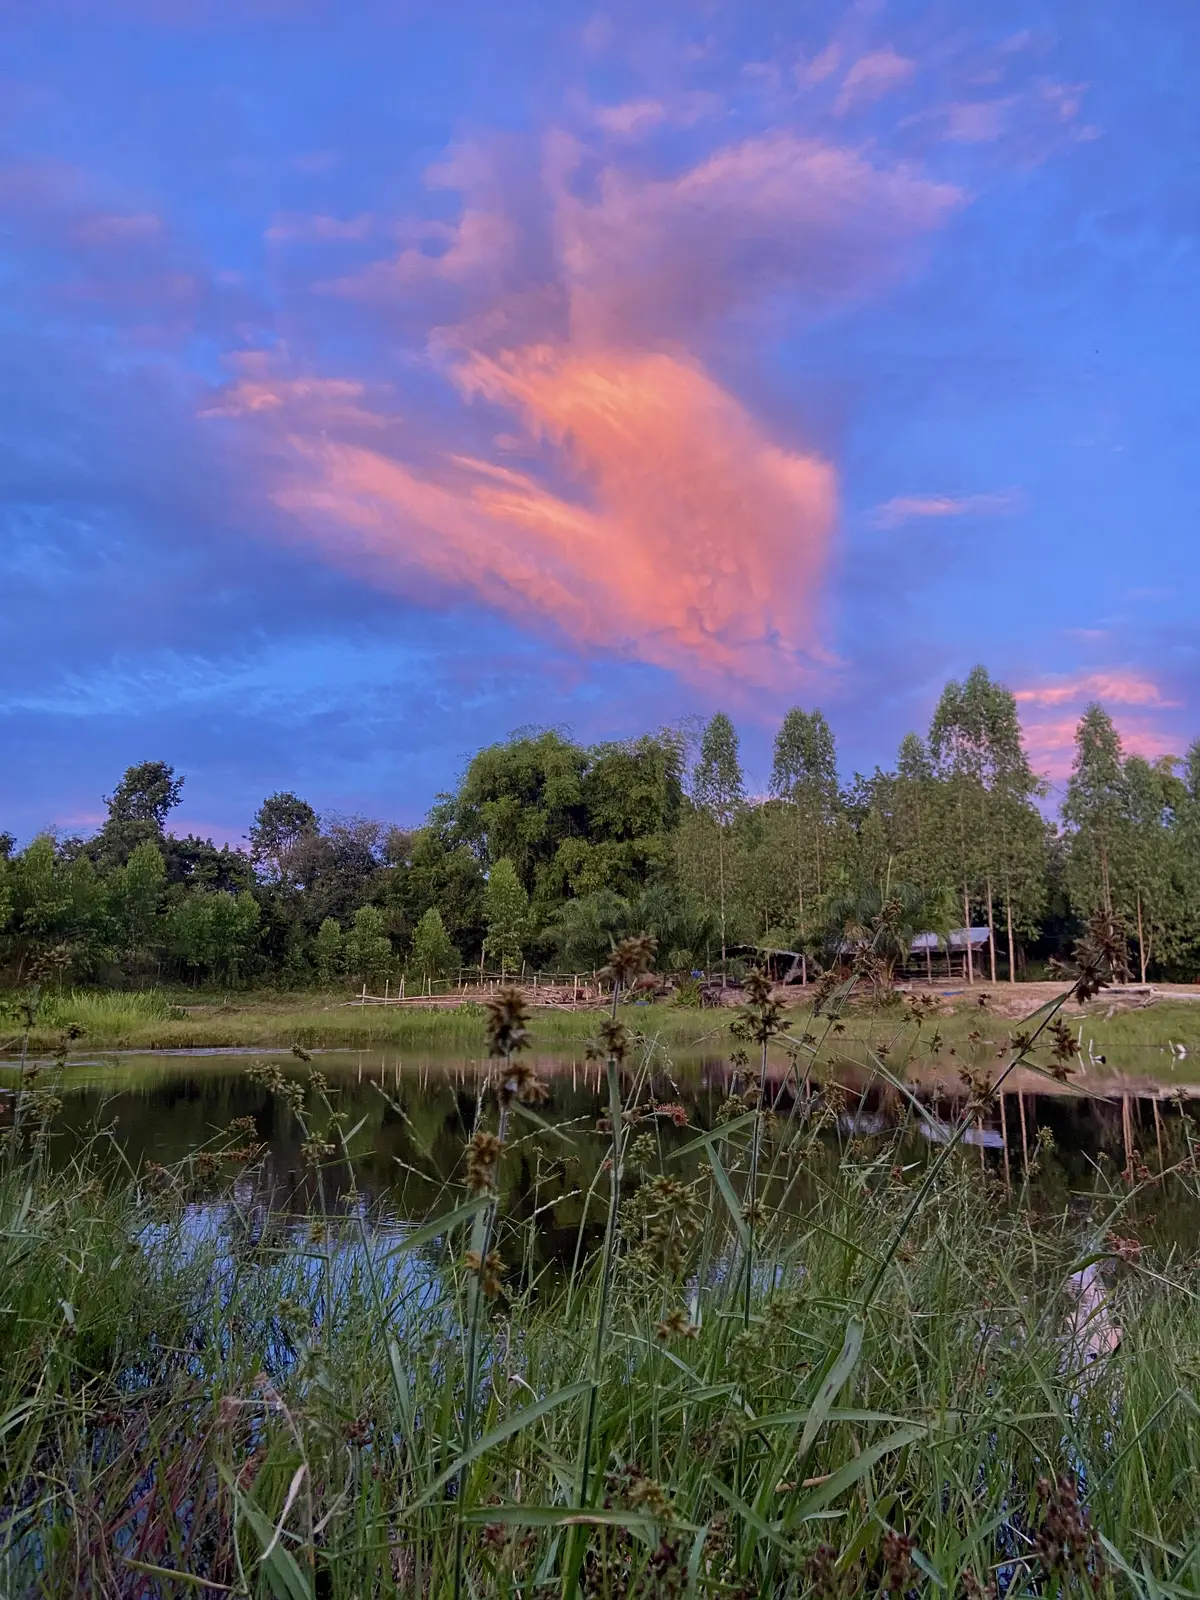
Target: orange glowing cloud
[1050,735]
[1125,688]
[682,533]
[623,494]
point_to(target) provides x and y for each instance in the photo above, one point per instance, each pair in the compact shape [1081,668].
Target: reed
[912,1382]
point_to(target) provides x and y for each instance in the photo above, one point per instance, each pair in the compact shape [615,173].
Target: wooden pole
[1158,1135]
[1004,1136]
[1141,938]
[968,962]
[1024,1137]
[1127,1131]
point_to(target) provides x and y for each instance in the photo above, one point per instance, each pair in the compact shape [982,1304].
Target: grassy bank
[155,1020]
[1142,1042]
[911,1382]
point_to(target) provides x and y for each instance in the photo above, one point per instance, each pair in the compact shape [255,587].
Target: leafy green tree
[1094,811]
[58,918]
[137,890]
[685,931]
[137,811]
[6,899]
[1153,893]
[280,825]
[201,864]
[916,832]
[804,775]
[329,952]
[369,955]
[1185,845]
[506,914]
[428,867]
[148,792]
[633,790]
[214,934]
[874,924]
[719,790]
[582,932]
[432,955]
[519,800]
[975,739]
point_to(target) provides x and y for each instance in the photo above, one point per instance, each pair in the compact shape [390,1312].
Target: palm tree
[873,925]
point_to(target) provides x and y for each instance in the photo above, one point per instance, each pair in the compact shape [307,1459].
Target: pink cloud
[820,67]
[681,532]
[769,215]
[324,401]
[905,508]
[1126,688]
[1050,741]
[632,118]
[872,76]
[652,512]
[1050,728]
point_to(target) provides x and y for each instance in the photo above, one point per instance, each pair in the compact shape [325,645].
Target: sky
[381,378]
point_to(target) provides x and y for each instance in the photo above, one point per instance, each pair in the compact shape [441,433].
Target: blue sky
[382,378]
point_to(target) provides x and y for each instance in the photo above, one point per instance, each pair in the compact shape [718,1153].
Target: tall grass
[898,1396]
[154,1021]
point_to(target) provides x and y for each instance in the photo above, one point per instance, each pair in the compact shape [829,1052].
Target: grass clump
[755,1373]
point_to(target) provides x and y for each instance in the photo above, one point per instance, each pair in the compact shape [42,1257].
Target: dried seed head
[1065,1541]
[483,1162]
[676,1325]
[520,1082]
[821,1574]
[630,959]
[758,987]
[489,1271]
[677,1113]
[823,988]
[614,1038]
[897,1558]
[507,1023]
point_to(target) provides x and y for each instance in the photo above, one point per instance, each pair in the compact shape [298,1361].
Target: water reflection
[417,1112]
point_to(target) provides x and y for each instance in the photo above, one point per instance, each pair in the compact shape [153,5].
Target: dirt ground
[1019,999]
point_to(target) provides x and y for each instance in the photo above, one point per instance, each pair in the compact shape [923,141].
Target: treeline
[548,851]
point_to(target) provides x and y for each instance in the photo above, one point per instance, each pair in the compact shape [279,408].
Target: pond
[413,1112]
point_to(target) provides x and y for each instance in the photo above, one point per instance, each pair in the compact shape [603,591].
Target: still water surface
[417,1110]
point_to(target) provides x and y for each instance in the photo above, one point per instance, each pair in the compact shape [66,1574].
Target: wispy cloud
[1127,688]
[872,76]
[908,508]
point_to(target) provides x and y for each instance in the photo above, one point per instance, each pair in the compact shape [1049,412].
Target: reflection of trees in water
[409,1151]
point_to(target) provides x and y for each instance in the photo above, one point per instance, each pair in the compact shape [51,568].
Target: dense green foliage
[548,851]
